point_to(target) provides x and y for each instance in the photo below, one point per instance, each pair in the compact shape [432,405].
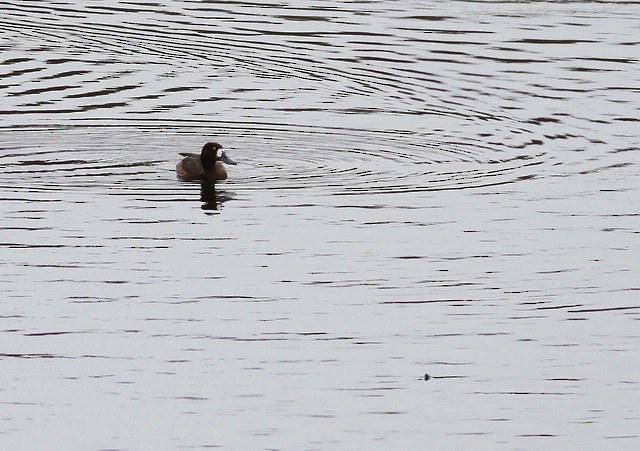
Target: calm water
[448,188]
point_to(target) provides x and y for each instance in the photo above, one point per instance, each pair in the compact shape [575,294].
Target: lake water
[446,188]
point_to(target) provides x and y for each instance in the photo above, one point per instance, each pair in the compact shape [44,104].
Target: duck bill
[225,159]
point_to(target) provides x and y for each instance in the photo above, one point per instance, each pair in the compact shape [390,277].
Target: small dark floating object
[426,377]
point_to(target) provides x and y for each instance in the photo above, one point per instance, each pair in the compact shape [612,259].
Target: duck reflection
[212,199]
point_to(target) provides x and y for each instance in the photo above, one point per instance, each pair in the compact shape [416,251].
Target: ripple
[346,101]
[191,59]
[318,160]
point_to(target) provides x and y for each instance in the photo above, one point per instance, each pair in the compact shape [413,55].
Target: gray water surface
[440,188]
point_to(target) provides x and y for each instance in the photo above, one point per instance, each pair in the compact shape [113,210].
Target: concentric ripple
[350,98]
[339,161]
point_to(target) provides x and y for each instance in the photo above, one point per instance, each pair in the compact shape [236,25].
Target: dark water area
[423,188]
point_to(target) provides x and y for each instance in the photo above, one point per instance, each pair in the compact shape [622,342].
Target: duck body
[206,166]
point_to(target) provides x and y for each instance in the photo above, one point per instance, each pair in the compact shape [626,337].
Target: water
[441,188]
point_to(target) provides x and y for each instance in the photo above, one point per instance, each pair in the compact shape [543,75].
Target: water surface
[441,188]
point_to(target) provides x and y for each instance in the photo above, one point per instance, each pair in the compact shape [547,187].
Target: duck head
[209,155]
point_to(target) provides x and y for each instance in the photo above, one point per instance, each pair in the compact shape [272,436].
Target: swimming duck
[206,166]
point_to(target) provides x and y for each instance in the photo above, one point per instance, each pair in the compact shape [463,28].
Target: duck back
[190,167]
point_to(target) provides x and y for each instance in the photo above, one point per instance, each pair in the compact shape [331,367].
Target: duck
[206,166]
